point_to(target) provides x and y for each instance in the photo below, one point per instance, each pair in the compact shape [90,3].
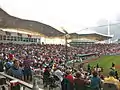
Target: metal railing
[29,86]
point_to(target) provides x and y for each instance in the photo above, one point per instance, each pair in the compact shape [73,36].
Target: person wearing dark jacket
[1,66]
[46,76]
[79,83]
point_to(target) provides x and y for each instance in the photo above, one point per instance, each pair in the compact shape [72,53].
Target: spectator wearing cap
[111,78]
[95,82]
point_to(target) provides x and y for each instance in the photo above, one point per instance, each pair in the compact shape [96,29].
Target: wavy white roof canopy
[88,31]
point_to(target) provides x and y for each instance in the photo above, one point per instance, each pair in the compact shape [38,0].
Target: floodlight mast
[66,48]
[108,30]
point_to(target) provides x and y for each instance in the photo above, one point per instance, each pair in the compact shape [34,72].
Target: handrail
[20,81]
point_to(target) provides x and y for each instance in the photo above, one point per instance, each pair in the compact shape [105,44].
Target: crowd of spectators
[53,52]
[21,60]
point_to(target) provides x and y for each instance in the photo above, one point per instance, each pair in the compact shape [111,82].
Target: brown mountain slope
[8,21]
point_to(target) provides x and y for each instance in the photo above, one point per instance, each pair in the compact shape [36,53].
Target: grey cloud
[114,28]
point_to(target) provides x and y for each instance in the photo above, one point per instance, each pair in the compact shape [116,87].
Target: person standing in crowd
[46,76]
[89,68]
[8,64]
[79,82]
[116,75]
[69,76]
[67,83]
[15,70]
[95,83]
[113,66]
[1,64]
[59,73]
[112,79]
[10,56]
[27,70]
[97,65]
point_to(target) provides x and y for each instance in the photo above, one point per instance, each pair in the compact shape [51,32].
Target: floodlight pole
[108,29]
[66,48]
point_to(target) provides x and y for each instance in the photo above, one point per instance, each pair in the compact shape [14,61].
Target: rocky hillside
[8,21]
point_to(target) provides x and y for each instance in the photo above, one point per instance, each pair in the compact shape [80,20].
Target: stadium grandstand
[86,37]
[27,37]
[24,58]
[117,41]
[90,34]
[19,38]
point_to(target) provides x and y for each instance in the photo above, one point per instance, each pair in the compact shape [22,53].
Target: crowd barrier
[16,84]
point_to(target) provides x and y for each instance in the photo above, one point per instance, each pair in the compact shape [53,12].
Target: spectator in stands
[15,71]
[46,76]
[1,65]
[27,70]
[111,79]
[116,75]
[59,73]
[8,65]
[89,68]
[67,83]
[79,83]
[113,66]
[27,73]
[69,76]
[95,82]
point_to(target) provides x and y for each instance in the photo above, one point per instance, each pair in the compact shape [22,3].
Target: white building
[25,37]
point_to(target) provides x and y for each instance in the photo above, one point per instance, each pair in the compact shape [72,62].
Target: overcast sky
[73,15]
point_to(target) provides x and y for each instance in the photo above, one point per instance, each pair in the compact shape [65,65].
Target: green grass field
[106,63]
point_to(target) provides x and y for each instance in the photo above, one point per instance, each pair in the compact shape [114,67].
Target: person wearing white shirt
[59,74]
